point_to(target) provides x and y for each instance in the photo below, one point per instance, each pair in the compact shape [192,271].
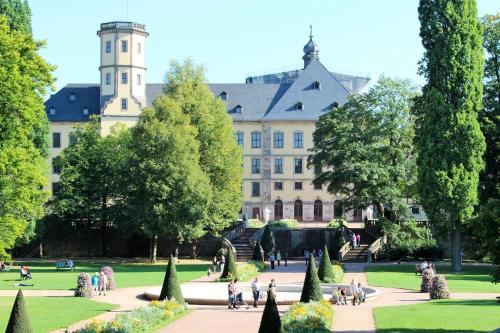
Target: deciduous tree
[448,136]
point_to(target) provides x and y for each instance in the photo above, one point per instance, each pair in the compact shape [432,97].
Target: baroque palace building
[274,118]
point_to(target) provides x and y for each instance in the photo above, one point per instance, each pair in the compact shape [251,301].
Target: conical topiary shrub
[270,322]
[171,288]
[19,322]
[257,253]
[325,269]
[427,278]
[439,288]
[230,271]
[267,240]
[311,291]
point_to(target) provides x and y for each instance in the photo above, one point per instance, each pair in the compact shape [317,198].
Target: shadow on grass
[119,268]
[419,330]
[467,302]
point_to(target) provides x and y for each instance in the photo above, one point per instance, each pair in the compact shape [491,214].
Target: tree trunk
[153,248]
[456,247]
[193,249]
[40,247]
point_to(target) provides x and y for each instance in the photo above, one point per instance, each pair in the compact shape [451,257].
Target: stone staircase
[243,250]
[360,253]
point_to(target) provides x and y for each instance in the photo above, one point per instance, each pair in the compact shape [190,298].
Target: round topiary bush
[108,271]
[427,278]
[83,286]
[439,288]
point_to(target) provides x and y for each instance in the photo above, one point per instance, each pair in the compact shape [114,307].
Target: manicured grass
[458,316]
[471,279]
[45,275]
[51,313]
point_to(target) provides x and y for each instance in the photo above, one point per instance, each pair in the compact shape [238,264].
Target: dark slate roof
[86,96]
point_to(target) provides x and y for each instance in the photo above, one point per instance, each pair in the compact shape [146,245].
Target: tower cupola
[311,50]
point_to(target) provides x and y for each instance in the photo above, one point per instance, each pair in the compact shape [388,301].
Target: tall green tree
[18,14]
[168,194]
[219,155]
[90,187]
[365,148]
[25,79]
[449,139]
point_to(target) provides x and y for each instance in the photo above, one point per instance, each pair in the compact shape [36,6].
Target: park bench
[65,264]
[5,269]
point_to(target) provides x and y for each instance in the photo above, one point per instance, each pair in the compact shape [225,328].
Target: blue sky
[235,38]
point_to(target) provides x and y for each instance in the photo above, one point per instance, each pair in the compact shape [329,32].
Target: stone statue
[267,213]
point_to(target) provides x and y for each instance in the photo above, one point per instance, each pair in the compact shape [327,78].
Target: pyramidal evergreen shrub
[19,321]
[257,253]
[270,322]
[230,270]
[171,288]
[439,288]
[267,240]
[311,291]
[325,269]
[427,279]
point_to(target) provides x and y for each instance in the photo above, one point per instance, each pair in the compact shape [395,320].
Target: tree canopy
[18,14]
[448,136]
[365,148]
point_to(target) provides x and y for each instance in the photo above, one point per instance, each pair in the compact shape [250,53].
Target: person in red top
[358,239]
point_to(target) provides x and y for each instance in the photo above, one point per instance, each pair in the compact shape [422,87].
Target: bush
[83,285]
[439,288]
[19,321]
[171,288]
[325,269]
[230,271]
[311,290]
[337,223]
[108,271]
[427,278]
[270,321]
[139,320]
[257,253]
[313,317]
[246,271]
[338,273]
[255,223]
[336,242]
[285,224]
[267,240]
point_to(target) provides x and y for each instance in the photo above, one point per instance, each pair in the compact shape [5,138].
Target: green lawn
[45,275]
[471,279]
[50,313]
[458,316]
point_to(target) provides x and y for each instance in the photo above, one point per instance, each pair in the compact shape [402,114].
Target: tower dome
[311,50]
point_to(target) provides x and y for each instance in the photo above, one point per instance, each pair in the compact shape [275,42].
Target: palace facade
[274,117]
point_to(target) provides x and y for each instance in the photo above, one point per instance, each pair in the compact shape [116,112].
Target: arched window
[278,210]
[297,210]
[318,210]
[337,209]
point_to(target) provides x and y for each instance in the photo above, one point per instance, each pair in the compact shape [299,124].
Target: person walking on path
[255,292]
[320,255]
[222,263]
[271,289]
[343,297]
[271,259]
[353,240]
[230,293]
[95,283]
[361,294]
[358,239]
[278,257]
[285,257]
[306,256]
[103,284]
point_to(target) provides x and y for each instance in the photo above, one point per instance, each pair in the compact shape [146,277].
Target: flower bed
[143,319]
[313,317]
[285,224]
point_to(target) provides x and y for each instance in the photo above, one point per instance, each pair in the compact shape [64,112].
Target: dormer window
[335,105]
[316,85]
[72,97]
[238,108]
[223,96]
[299,106]
[52,111]
[85,111]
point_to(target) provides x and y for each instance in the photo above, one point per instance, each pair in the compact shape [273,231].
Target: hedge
[312,317]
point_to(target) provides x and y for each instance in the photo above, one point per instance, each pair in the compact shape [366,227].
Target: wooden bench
[65,264]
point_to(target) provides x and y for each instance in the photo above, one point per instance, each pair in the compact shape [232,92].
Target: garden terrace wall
[296,240]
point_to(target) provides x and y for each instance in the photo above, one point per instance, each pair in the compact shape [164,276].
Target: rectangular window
[298,165]
[56,140]
[255,165]
[278,186]
[255,139]
[298,140]
[56,167]
[139,48]
[72,138]
[239,138]
[278,165]
[108,46]
[124,104]
[255,189]
[278,139]
[124,46]
[298,185]
[317,169]
[138,79]
[317,186]
[108,79]
[415,210]
[124,78]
